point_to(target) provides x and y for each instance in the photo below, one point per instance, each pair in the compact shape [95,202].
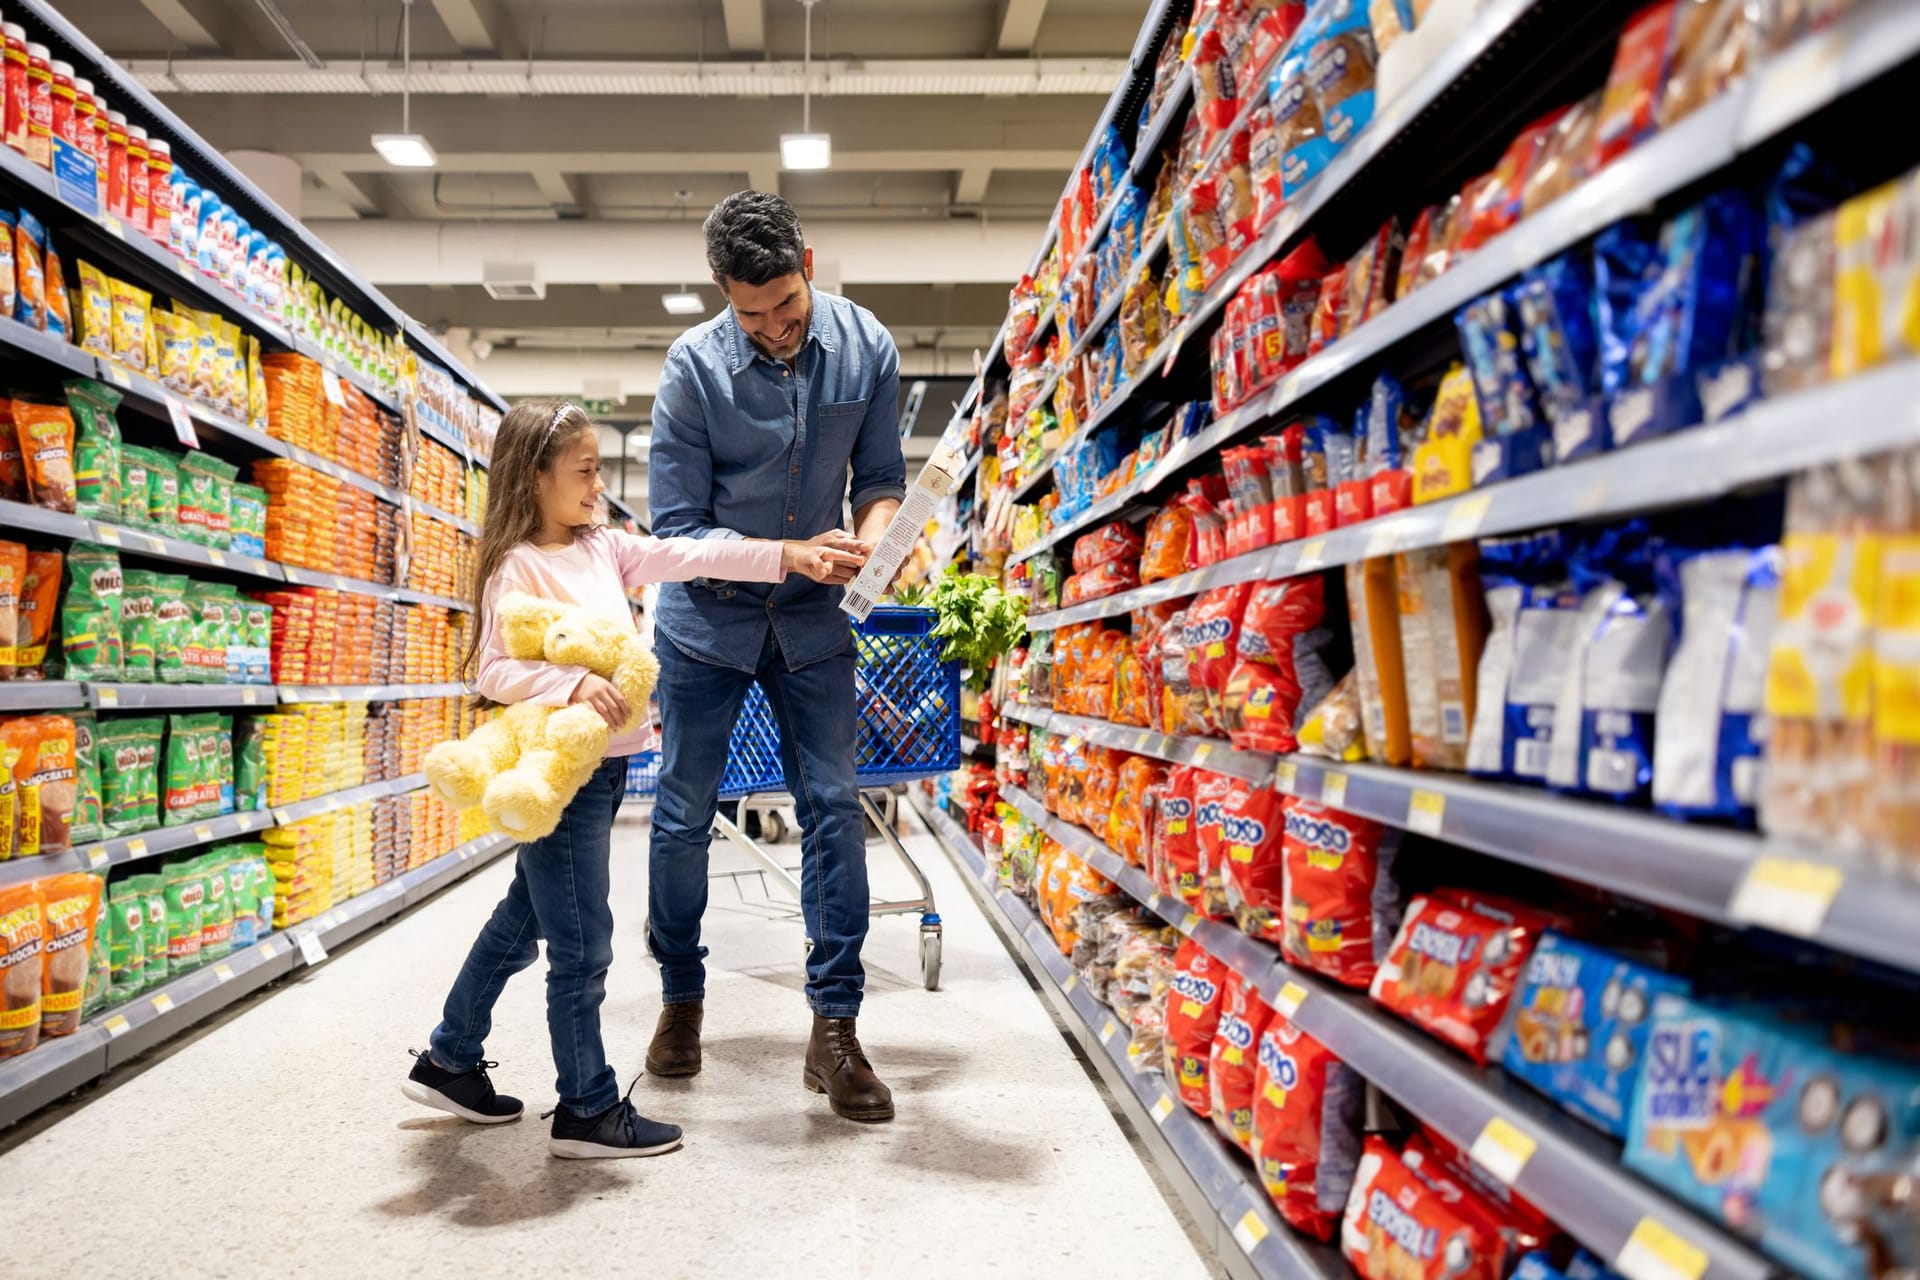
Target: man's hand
[600,694]
[834,557]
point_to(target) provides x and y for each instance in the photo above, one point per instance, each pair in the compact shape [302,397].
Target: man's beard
[794,344]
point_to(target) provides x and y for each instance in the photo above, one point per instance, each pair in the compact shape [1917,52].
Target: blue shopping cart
[908,730]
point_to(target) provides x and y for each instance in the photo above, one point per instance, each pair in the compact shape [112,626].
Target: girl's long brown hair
[532,434]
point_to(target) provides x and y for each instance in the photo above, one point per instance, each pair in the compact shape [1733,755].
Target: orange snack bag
[1634,84]
[33,620]
[20,756]
[1169,537]
[13,467]
[45,432]
[22,938]
[70,905]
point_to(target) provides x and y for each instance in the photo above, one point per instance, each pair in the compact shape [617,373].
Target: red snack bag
[1307,1111]
[1210,792]
[1634,84]
[1340,893]
[1280,670]
[1203,498]
[1232,1066]
[1127,821]
[1246,471]
[1212,638]
[1193,1014]
[1286,474]
[1398,1228]
[1254,825]
[1452,967]
[1329,314]
[1519,1226]
[1177,838]
[1116,541]
[1299,275]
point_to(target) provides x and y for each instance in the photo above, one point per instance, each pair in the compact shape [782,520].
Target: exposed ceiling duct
[840,78]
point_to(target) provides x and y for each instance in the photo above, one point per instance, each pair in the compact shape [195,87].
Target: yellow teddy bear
[525,766]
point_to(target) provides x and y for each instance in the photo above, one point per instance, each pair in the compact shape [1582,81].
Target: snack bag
[55,780]
[70,905]
[1397,1227]
[1767,1127]
[244,893]
[1284,663]
[30,273]
[1234,1060]
[127,941]
[1341,899]
[1298,125]
[88,821]
[1167,551]
[90,615]
[1461,1186]
[1307,1111]
[13,466]
[216,914]
[1554,306]
[186,890]
[1443,459]
[1633,86]
[1340,69]
[1577,1028]
[176,341]
[1876,311]
[1455,963]
[45,432]
[132,327]
[152,888]
[23,932]
[9,294]
[13,581]
[1443,627]
[1709,733]
[96,311]
[1193,1015]
[1373,602]
[1210,792]
[1533,617]
[96,457]
[1212,635]
[59,305]
[173,623]
[1253,824]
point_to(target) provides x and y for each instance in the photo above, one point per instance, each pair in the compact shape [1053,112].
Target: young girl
[541,537]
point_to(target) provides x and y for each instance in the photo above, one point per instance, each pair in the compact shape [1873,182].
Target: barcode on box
[1530,757]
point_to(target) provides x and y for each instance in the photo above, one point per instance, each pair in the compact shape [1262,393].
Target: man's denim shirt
[743,446]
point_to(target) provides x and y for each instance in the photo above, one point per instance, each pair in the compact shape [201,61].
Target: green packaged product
[216,916]
[135,464]
[172,628]
[206,502]
[263,885]
[88,819]
[249,764]
[205,652]
[223,763]
[90,614]
[153,889]
[126,939]
[163,491]
[116,752]
[96,448]
[136,624]
[259,629]
[185,773]
[234,635]
[249,520]
[186,899]
[99,984]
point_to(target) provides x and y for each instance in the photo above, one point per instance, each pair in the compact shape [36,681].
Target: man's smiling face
[774,315]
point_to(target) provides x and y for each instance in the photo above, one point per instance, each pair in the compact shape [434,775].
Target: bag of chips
[152,888]
[1285,659]
[216,915]
[1307,1111]
[1232,1064]
[186,889]
[1212,637]
[33,623]
[1193,1015]
[88,822]
[173,623]
[1253,825]
[132,326]
[23,934]
[176,340]
[1342,901]
[54,779]
[1397,1227]
[70,905]
[1455,963]
[96,457]
[127,940]
[45,432]
[96,311]
[1210,793]
[30,273]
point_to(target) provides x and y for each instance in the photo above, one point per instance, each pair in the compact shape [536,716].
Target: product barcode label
[1453,723]
[1530,757]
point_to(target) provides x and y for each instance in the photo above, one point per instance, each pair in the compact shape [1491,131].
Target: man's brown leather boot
[675,1050]
[837,1067]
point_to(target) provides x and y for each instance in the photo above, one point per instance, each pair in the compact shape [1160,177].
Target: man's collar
[742,353]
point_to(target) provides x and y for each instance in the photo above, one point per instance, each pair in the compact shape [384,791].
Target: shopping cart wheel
[773,827]
[930,952]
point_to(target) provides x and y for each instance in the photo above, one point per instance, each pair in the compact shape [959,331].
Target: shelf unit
[57,1067]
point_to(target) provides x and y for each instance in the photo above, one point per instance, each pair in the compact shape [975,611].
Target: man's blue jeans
[560,892]
[814,707]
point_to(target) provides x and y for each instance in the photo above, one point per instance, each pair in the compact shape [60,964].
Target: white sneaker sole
[420,1093]
[575,1149]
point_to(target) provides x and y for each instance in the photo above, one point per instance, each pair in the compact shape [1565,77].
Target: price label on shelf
[1465,516]
[216,557]
[1383,538]
[117,1026]
[1426,812]
[183,429]
[1189,922]
[1291,997]
[163,1003]
[1786,894]
[137,848]
[1284,775]
[1313,555]
[330,382]
[312,950]
[1249,1231]
[202,832]
[117,374]
[1073,980]
[1163,1108]
[107,534]
[106,695]
[1203,753]
[1333,789]
[1656,1251]
[250,696]
[1503,1150]
[223,971]
[186,269]
[155,543]
[97,857]
[113,226]
[1109,1031]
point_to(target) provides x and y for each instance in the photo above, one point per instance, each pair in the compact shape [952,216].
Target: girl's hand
[600,694]
[834,557]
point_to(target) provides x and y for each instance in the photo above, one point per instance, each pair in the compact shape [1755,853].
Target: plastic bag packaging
[90,614]
[1342,902]
[1603,721]
[1211,635]
[95,318]
[1211,792]
[1455,964]
[9,292]
[1193,1015]
[1491,344]
[1521,667]
[1625,261]
[59,303]
[1709,733]
[1694,310]
[1108,543]
[1395,1222]
[1297,120]
[1876,308]
[45,434]
[1253,825]
[1307,1111]
[96,457]
[1565,158]
[1374,608]
[1627,110]
[1285,661]
[34,618]
[1443,458]
[1553,305]
[1333,730]
[1177,838]
[13,466]
[1371,274]
[1443,628]
[1233,1062]
[30,272]
[1340,68]
[132,328]
[1713,41]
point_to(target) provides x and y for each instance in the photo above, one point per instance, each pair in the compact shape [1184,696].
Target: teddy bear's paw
[522,805]
[458,773]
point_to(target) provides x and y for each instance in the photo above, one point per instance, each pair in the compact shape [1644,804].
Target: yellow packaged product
[132,326]
[205,353]
[175,338]
[1894,819]
[1443,628]
[230,369]
[1443,461]
[1819,698]
[256,386]
[95,317]
[1373,602]
[1876,312]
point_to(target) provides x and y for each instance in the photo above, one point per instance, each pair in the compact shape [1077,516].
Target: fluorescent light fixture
[684,303]
[405,150]
[806,150]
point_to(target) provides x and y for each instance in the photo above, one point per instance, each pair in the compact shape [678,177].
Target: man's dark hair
[754,237]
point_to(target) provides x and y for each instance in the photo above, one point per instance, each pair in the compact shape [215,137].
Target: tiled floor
[278,1141]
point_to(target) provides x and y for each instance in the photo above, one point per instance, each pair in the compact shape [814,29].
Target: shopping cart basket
[908,704]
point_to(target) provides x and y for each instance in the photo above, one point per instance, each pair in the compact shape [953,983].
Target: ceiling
[588,138]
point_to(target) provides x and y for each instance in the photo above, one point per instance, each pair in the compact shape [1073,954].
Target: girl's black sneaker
[468,1094]
[617,1133]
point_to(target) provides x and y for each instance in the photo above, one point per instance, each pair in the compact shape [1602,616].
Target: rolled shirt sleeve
[879,466]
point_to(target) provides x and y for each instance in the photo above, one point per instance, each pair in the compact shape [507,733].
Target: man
[760,413]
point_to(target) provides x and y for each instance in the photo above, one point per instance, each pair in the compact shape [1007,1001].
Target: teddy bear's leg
[458,771]
[578,733]
[523,803]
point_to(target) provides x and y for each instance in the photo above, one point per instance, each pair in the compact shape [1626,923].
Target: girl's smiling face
[570,490]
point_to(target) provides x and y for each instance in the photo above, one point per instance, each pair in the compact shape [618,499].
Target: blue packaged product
[1532,611]
[1109,165]
[1386,426]
[29,269]
[1702,295]
[1340,69]
[1770,1129]
[1603,719]
[1577,1027]
[1709,731]
[1555,305]
[1491,344]
[1304,146]
[1124,232]
[1584,1266]
[1624,260]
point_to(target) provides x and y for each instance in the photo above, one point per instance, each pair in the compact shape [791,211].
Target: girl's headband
[554,425]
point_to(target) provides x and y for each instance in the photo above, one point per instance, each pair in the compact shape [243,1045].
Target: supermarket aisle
[286,1124]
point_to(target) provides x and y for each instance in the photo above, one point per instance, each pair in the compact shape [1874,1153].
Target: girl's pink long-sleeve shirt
[595,572]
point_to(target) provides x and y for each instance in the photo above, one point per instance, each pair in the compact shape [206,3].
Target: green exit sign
[598,408]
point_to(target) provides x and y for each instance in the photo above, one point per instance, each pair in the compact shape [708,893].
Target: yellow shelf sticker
[1291,997]
[1163,1108]
[1312,555]
[1503,1150]
[1426,810]
[1465,516]
[1284,775]
[1657,1252]
[216,557]
[137,848]
[1333,790]
[224,972]
[1073,980]
[1203,753]
[163,1003]
[1787,894]
[1249,1231]
[107,534]
[1383,538]
[117,1026]
[97,857]
[1190,922]
[202,831]
[108,695]
[1108,1032]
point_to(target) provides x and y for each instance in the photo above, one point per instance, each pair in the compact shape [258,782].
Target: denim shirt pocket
[840,427]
